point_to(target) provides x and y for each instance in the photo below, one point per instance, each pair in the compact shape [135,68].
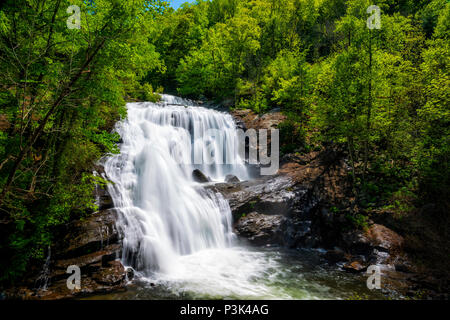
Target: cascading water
[165,212]
[177,233]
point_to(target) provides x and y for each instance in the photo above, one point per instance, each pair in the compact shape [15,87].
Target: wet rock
[355,267]
[298,233]
[378,242]
[115,274]
[87,263]
[335,256]
[130,274]
[271,196]
[93,244]
[260,229]
[231,179]
[104,199]
[99,170]
[104,280]
[199,176]
[90,235]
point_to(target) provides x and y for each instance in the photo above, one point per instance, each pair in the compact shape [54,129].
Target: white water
[165,213]
[176,233]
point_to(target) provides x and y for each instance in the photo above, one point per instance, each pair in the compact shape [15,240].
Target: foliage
[61,91]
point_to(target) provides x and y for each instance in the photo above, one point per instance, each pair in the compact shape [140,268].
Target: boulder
[383,238]
[232,179]
[377,237]
[199,176]
[260,229]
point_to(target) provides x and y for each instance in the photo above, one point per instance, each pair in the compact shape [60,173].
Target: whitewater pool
[250,273]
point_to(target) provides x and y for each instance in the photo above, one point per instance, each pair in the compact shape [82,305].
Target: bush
[292,136]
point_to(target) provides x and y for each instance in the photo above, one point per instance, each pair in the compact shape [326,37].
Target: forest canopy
[382,94]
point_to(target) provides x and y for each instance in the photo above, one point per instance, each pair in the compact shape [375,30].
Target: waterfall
[165,214]
[177,234]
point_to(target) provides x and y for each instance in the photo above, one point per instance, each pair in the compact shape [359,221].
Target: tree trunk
[369,112]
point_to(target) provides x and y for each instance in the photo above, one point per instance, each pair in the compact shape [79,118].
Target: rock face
[260,229]
[269,196]
[247,119]
[261,207]
[90,235]
[377,237]
[299,195]
[102,196]
[104,199]
[298,208]
[93,245]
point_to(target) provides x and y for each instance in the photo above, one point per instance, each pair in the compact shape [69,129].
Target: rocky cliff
[94,245]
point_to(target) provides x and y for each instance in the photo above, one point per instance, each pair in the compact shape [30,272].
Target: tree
[61,90]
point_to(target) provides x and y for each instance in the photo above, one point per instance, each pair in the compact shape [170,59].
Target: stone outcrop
[94,246]
[89,235]
[247,119]
[300,195]
[260,229]
[265,195]
[376,237]
[199,176]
